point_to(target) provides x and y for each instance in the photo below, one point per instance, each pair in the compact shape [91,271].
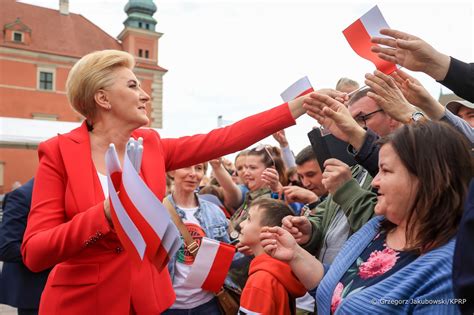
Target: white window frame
[22,37]
[43,116]
[38,77]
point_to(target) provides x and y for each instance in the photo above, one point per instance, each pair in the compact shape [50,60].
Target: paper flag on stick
[126,230]
[358,35]
[141,217]
[211,265]
[297,89]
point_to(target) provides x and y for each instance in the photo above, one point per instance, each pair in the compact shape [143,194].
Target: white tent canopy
[28,133]
[20,132]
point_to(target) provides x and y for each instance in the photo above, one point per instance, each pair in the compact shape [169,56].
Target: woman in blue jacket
[401,261]
[202,219]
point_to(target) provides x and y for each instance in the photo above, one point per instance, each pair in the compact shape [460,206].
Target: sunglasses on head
[262,147]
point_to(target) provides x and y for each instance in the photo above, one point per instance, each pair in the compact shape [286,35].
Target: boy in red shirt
[271,287]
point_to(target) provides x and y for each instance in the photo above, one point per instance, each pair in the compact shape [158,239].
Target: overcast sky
[234,58]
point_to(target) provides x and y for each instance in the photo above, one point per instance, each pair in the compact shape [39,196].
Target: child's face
[250,227]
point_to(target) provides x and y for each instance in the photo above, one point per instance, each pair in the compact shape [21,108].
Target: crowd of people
[391,234]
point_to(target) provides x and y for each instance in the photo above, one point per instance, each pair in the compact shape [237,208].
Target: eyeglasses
[262,147]
[362,119]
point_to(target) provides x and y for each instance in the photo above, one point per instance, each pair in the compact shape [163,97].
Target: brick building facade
[38,47]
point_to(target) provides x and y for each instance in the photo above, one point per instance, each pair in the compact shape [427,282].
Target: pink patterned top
[377,262]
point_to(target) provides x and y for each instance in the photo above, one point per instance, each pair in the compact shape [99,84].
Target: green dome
[140,14]
[143,6]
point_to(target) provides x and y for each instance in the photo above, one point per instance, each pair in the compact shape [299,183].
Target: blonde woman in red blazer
[69,226]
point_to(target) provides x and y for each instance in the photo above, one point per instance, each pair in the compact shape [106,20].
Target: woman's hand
[244,249]
[107,211]
[278,243]
[270,177]
[280,137]
[296,106]
[215,163]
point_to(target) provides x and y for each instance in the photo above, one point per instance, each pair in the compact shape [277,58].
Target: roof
[52,32]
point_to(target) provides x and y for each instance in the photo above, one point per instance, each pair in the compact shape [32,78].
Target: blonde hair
[92,72]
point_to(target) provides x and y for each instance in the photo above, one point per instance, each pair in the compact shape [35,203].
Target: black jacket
[19,287]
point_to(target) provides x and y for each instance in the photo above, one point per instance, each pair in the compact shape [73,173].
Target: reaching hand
[299,227]
[280,137]
[335,117]
[278,243]
[228,165]
[412,53]
[299,194]
[417,95]
[336,174]
[271,178]
[388,96]
[215,163]
[335,94]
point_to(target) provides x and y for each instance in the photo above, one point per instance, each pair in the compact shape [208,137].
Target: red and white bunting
[297,89]
[358,35]
[211,265]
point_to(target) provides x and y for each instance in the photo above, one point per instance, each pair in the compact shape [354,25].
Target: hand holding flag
[211,265]
[140,219]
[359,34]
[297,89]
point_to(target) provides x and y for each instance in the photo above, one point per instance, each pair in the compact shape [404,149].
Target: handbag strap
[191,245]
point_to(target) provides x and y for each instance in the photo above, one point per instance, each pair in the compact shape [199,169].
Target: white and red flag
[136,208]
[211,265]
[297,89]
[358,35]
[127,231]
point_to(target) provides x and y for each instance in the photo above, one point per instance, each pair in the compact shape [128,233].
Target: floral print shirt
[376,262]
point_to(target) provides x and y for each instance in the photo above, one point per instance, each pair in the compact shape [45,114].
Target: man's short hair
[305,155]
[346,82]
[272,211]
[358,95]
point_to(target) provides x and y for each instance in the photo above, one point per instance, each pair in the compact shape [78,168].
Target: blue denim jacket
[212,221]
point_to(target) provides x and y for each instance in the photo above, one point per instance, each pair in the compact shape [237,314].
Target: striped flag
[297,89]
[141,210]
[358,35]
[126,230]
[211,265]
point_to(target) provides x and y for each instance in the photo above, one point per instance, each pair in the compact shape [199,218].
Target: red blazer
[67,227]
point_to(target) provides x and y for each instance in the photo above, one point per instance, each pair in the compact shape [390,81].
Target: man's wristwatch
[417,117]
[307,208]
